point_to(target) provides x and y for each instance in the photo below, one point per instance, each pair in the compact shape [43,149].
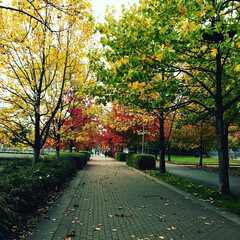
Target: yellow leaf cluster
[214,52]
[237,68]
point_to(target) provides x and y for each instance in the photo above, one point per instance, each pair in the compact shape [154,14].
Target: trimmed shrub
[80,159]
[129,159]
[141,161]
[87,154]
[24,188]
[120,156]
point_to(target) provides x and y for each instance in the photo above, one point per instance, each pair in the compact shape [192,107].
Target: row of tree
[167,60]
[162,56]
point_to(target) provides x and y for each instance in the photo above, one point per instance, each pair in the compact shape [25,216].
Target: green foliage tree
[182,40]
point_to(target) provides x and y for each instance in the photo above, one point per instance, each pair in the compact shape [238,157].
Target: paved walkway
[109,200]
[203,177]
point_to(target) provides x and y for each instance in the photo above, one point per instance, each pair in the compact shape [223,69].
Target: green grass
[195,160]
[230,203]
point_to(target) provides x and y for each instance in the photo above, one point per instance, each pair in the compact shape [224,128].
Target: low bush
[24,188]
[80,159]
[141,161]
[120,156]
[87,154]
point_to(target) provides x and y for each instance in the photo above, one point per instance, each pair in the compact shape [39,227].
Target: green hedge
[141,161]
[87,154]
[120,156]
[24,188]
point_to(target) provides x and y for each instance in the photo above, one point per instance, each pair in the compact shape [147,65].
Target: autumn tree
[132,73]
[193,45]
[38,65]
[81,126]
[123,127]
[195,131]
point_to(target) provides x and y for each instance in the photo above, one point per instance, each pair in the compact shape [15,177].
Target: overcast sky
[99,7]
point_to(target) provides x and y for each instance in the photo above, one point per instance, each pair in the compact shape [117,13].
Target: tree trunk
[36,156]
[57,140]
[135,149]
[222,142]
[37,140]
[168,152]
[161,145]
[71,145]
[224,187]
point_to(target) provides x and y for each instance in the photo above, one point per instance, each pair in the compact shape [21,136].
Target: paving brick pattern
[109,200]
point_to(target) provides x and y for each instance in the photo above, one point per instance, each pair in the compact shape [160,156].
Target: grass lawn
[230,203]
[210,164]
[195,160]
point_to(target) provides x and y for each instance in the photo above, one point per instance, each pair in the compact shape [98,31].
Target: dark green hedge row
[141,161]
[120,156]
[24,188]
[87,155]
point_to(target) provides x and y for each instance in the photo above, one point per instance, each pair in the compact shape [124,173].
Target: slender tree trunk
[222,143]
[36,156]
[71,145]
[135,149]
[168,152]
[224,187]
[37,140]
[57,140]
[162,145]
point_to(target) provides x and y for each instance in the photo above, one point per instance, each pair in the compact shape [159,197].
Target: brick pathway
[109,200]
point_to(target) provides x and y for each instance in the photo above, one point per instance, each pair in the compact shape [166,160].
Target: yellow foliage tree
[38,66]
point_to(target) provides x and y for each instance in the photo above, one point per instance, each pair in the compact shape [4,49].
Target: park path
[109,200]
[203,177]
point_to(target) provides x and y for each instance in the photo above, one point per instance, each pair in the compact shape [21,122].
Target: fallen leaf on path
[207,223]
[96,229]
[171,228]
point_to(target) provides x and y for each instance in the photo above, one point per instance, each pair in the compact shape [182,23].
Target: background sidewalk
[109,200]
[203,177]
